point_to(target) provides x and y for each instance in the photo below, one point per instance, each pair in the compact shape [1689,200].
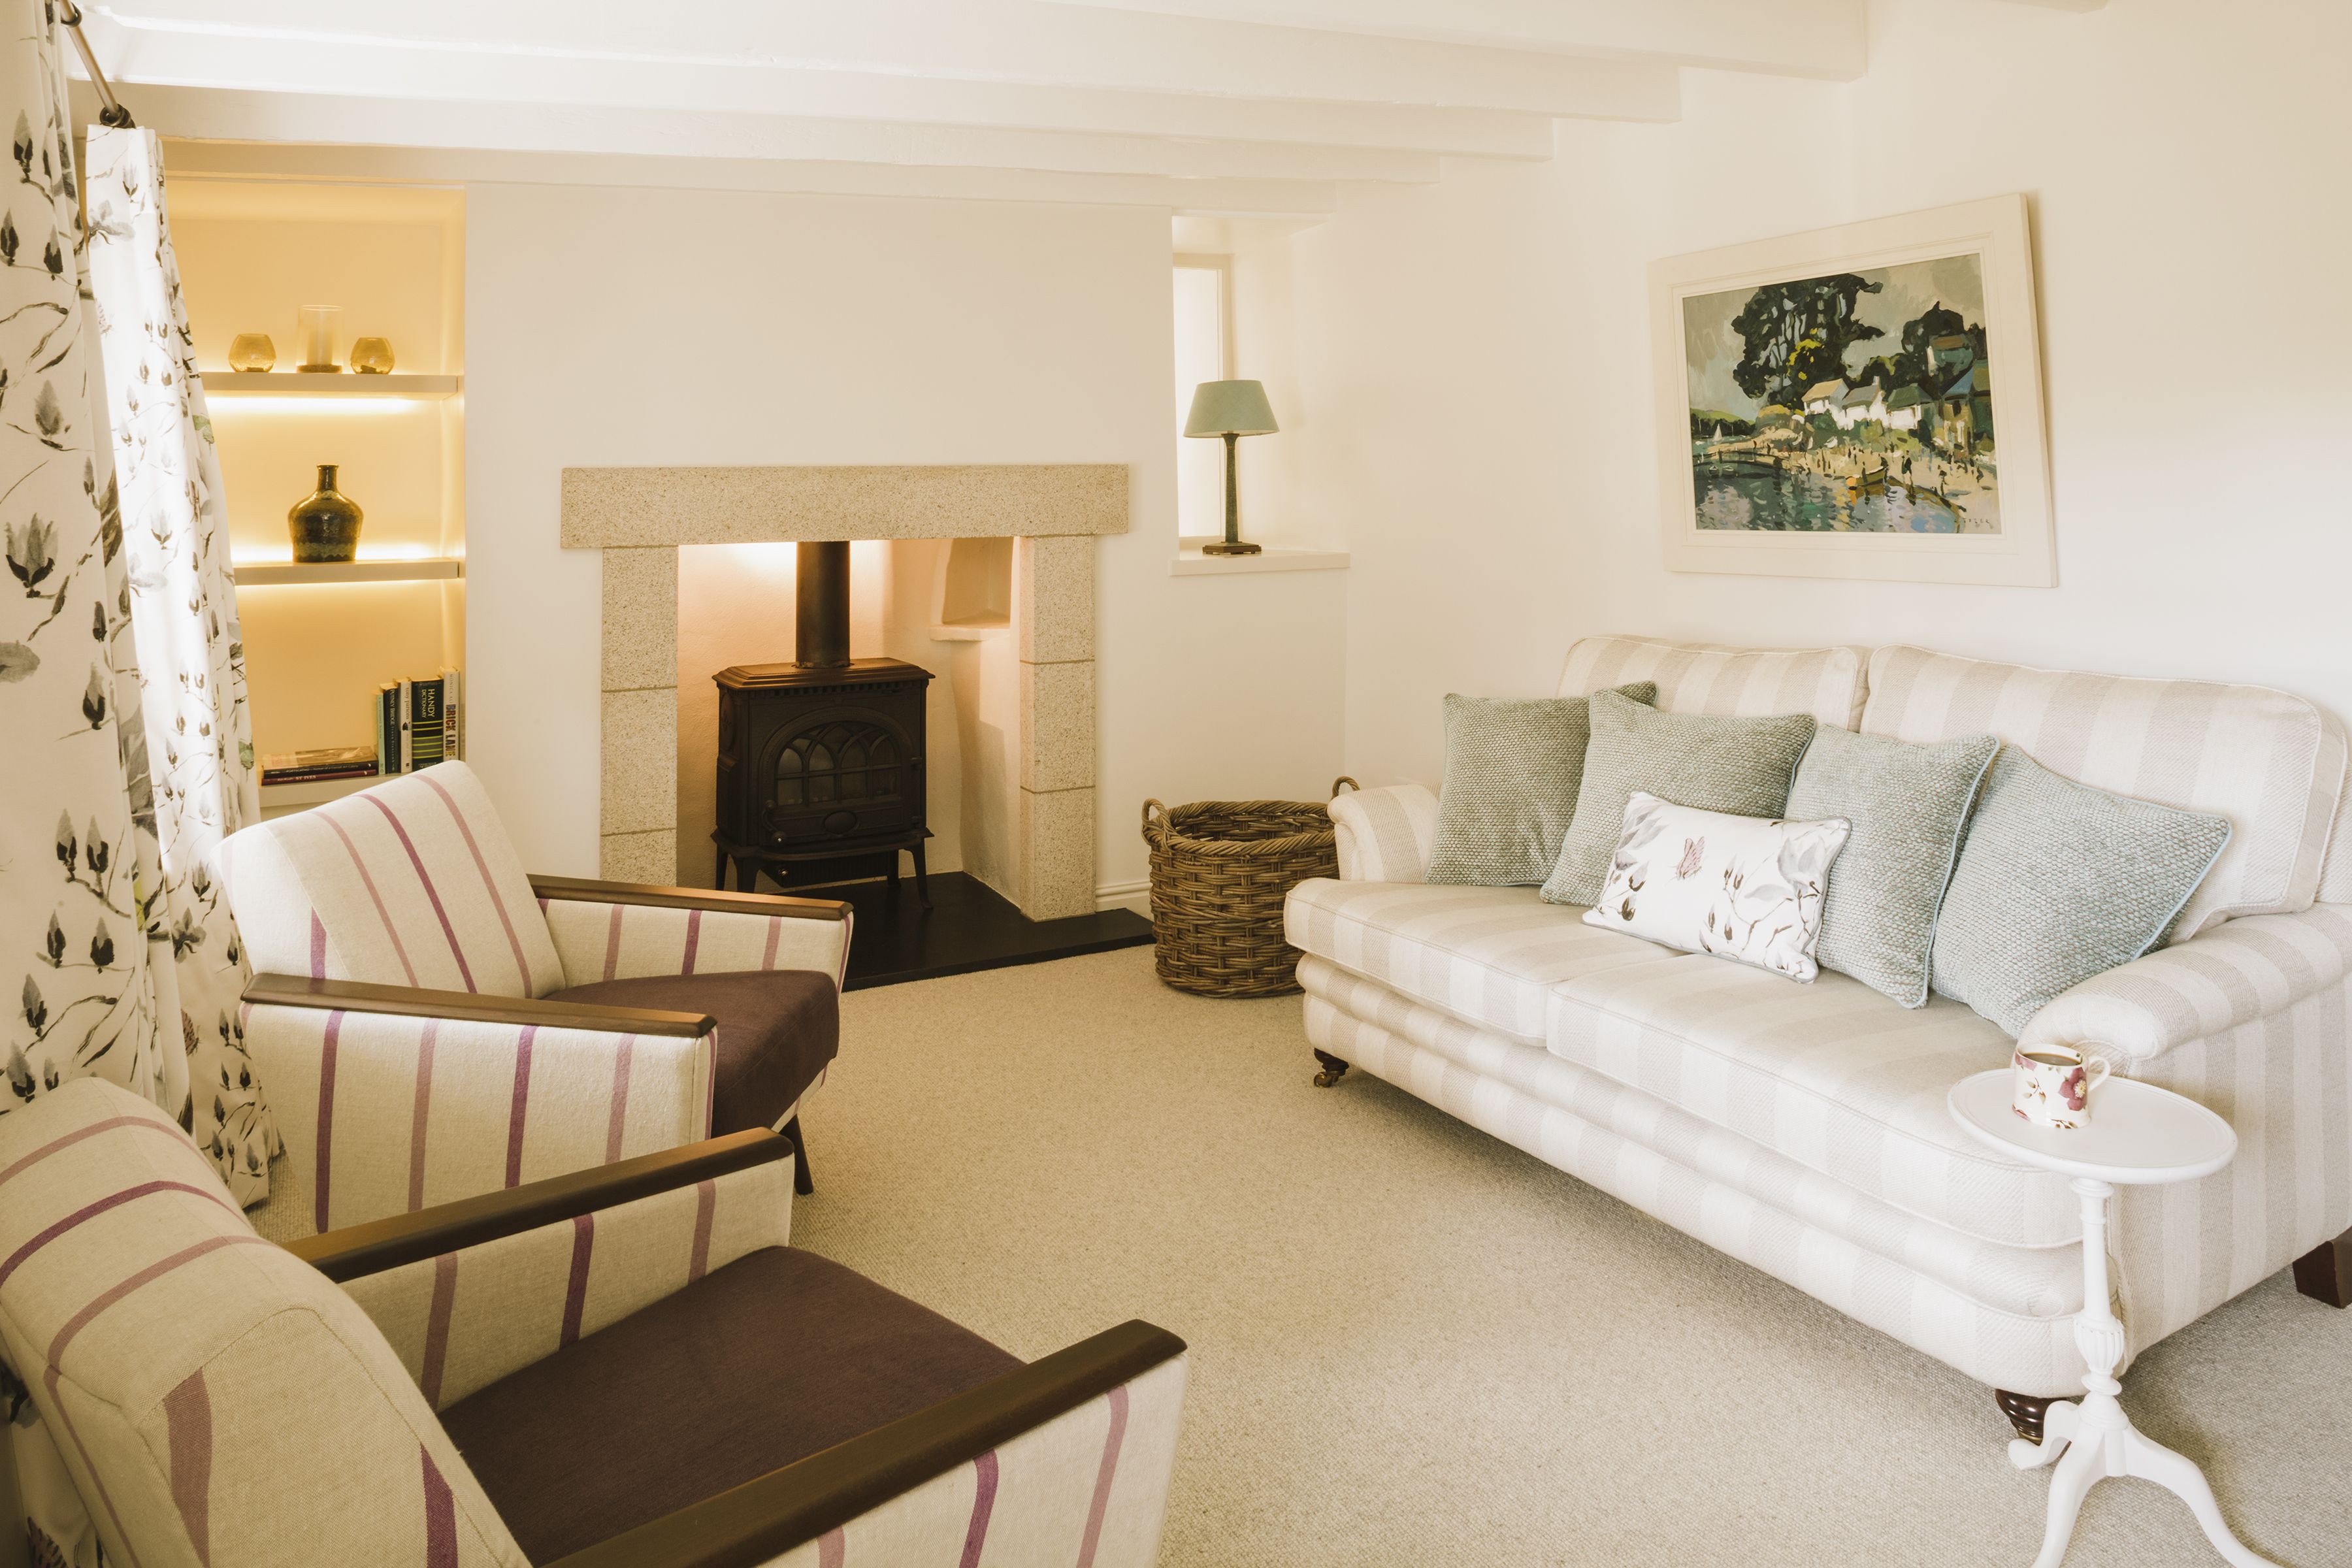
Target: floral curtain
[85,964]
[79,870]
[191,655]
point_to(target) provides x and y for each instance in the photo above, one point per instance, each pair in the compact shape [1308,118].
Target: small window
[1204,352]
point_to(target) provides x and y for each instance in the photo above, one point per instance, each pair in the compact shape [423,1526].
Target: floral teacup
[2054,1084]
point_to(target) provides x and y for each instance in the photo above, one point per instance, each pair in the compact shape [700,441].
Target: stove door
[839,775]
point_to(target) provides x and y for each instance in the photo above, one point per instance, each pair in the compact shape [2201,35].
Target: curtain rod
[110,110]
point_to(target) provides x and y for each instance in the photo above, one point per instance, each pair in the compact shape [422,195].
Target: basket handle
[1343,779]
[1148,807]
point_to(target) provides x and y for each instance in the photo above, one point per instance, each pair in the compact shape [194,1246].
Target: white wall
[1474,357]
[609,326]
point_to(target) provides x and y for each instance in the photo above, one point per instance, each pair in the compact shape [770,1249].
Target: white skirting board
[1136,896]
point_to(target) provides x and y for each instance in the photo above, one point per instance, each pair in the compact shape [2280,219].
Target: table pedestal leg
[2150,1460]
[2095,1439]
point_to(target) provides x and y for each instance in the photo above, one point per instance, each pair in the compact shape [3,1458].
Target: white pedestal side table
[2139,1135]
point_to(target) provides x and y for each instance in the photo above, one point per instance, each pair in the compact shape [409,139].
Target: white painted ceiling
[1213,107]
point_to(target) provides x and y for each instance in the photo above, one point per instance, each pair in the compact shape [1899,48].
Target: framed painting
[1860,402]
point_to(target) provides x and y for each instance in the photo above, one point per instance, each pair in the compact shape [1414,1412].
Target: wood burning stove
[821,774]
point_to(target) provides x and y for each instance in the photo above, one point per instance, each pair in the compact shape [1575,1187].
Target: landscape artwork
[1848,401]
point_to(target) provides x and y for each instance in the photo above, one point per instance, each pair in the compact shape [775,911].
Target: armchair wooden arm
[759,1521]
[582,889]
[410,1002]
[358,1250]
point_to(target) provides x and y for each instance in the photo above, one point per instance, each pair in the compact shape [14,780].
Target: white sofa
[1801,1128]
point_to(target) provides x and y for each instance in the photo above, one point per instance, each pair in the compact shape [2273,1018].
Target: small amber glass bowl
[252,352]
[372,356]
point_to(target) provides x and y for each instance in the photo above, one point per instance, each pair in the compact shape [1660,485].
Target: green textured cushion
[1740,765]
[2058,883]
[1513,766]
[1907,803]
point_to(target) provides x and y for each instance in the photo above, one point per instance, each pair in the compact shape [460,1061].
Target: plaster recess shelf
[1191,562]
[326,383]
[429,569]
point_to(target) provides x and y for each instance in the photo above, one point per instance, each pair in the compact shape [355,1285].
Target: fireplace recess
[820,762]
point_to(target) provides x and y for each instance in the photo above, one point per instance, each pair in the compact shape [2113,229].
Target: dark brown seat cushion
[777,1029]
[769,1359]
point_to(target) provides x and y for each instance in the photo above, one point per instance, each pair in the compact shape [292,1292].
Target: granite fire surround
[1053,511]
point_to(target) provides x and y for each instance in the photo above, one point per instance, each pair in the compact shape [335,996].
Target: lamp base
[1237,547]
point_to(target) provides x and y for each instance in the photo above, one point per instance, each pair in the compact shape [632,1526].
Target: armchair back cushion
[1726,682]
[215,1399]
[411,883]
[2271,762]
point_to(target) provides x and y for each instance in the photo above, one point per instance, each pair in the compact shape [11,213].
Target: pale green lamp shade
[1230,408]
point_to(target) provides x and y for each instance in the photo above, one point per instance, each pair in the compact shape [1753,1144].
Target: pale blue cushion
[2059,882]
[1907,803]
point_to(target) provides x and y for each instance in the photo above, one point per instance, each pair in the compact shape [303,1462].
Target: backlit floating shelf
[262,573]
[326,383]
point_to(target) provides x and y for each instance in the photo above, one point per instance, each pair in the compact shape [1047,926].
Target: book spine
[387,729]
[318,776]
[425,721]
[407,726]
[453,738]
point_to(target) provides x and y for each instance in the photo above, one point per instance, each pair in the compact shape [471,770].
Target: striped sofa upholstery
[462,1319]
[601,940]
[202,1397]
[1384,834]
[384,1113]
[385,1108]
[1020,1503]
[411,882]
[2271,762]
[175,1360]
[1826,682]
[1801,1128]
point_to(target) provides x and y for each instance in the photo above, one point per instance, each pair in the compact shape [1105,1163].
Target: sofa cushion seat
[777,1356]
[1832,1075]
[1812,1230]
[778,1028]
[1488,956]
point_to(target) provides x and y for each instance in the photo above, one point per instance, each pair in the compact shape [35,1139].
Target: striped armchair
[628,1366]
[430,1023]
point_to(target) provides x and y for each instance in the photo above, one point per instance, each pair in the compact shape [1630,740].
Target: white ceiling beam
[402,166]
[135,57]
[1826,39]
[228,115]
[1026,42]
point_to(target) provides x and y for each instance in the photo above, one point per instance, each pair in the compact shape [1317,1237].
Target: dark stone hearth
[971,927]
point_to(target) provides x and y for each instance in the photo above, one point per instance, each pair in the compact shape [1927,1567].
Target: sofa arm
[620,930]
[390,1099]
[1385,834]
[1076,1447]
[469,1291]
[2230,975]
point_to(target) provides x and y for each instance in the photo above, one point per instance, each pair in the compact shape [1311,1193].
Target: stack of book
[320,765]
[418,723]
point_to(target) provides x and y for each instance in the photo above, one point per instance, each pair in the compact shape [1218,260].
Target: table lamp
[1231,409]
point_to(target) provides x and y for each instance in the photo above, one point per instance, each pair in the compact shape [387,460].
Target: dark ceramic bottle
[326,524]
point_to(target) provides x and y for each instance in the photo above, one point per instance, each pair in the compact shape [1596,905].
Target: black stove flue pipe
[821,629]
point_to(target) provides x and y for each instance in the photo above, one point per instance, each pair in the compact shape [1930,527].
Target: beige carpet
[1413,1344]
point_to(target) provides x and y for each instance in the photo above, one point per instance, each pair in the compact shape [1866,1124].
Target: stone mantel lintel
[636,518]
[656,507]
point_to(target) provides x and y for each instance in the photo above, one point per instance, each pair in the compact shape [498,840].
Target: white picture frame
[1780,498]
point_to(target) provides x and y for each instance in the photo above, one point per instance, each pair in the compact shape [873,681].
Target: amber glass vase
[325,523]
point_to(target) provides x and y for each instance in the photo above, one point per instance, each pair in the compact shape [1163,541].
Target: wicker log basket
[1220,872]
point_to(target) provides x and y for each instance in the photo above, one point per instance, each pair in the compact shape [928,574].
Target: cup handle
[2095,1071]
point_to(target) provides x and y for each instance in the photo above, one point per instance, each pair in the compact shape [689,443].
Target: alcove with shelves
[320,638]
